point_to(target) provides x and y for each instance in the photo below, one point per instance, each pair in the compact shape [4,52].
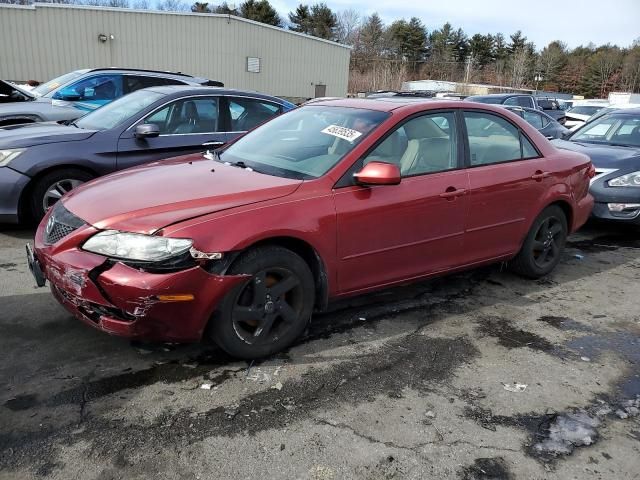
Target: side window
[99,87]
[191,115]
[424,144]
[247,113]
[512,101]
[534,119]
[136,82]
[492,139]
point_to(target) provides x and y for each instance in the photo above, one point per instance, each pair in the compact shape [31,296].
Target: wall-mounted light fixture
[102,38]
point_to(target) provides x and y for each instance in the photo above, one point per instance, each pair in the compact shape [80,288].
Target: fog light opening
[623,207]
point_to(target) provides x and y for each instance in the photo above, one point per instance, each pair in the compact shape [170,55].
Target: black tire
[69,178]
[268,312]
[543,246]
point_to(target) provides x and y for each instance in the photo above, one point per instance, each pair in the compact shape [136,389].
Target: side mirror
[147,130]
[67,94]
[378,173]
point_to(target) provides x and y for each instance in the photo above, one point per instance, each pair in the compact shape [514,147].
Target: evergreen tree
[260,11]
[199,7]
[301,20]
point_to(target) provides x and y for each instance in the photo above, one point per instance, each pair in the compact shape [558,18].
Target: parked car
[612,141]
[73,94]
[40,162]
[577,115]
[512,99]
[328,200]
[552,107]
[545,124]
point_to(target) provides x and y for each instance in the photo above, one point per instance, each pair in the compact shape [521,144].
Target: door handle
[540,175]
[212,144]
[452,193]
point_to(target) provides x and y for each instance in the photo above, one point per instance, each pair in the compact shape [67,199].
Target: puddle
[605,243]
[487,469]
[564,323]
[511,337]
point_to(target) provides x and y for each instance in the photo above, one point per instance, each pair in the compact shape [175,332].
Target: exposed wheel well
[23,207]
[566,208]
[311,258]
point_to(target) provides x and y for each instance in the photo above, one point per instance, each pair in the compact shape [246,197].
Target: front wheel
[543,246]
[269,311]
[48,189]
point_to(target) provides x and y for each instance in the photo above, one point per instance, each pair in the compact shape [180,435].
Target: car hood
[29,135]
[147,198]
[602,156]
[4,85]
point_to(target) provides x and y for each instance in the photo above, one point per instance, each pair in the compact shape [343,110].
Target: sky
[575,22]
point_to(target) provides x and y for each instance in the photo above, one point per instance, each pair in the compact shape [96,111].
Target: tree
[481,49]
[141,4]
[223,8]
[348,27]
[372,37]
[199,7]
[172,6]
[551,60]
[301,20]
[408,41]
[260,11]
[323,21]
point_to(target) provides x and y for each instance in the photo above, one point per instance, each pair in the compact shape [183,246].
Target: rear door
[397,232]
[187,125]
[246,113]
[507,175]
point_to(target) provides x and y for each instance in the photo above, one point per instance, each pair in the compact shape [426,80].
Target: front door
[507,176]
[187,125]
[391,233]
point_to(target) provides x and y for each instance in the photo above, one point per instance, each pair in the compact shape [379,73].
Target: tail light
[591,172]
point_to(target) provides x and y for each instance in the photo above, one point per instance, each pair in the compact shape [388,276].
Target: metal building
[42,41]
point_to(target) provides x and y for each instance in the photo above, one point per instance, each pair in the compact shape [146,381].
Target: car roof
[177,75]
[624,111]
[501,95]
[389,104]
[180,90]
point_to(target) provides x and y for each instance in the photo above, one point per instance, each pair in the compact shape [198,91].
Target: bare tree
[172,6]
[519,62]
[348,26]
[141,5]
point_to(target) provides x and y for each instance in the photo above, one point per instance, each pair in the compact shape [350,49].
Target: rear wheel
[49,188]
[542,249]
[269,311]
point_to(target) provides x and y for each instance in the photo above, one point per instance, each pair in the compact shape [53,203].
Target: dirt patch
[510,336]
[487,469]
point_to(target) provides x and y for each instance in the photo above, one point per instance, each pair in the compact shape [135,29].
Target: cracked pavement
[404,383]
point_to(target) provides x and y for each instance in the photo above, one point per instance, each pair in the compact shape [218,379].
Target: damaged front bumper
[127,301]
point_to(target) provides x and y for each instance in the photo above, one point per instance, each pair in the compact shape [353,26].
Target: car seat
[190,119]
[425,154]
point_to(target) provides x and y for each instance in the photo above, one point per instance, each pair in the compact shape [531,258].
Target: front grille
[60,224]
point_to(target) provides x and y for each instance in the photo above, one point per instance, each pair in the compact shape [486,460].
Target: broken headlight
[629,180]
[135,246]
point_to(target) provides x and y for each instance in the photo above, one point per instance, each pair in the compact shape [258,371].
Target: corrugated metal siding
[48,40]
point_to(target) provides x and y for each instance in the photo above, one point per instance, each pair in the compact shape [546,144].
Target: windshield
[51,85]
[118,111]
[585,110]
[618,130]
[304,143]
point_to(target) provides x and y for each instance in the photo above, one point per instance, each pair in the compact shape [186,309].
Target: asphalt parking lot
[422,381]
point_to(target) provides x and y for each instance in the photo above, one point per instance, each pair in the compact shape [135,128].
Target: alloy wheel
[268,306]
[547,243]
[57,190]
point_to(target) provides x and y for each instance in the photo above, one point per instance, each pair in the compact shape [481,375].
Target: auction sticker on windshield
[342,132]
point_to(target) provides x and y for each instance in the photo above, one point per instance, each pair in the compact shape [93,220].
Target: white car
[577,115]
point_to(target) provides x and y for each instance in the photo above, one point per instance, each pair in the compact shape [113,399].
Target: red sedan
[332,199]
